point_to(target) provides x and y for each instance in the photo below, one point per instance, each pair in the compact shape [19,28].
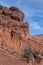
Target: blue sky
[33,10]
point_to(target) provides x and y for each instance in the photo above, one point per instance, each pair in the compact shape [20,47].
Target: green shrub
[7,25]
[27,52]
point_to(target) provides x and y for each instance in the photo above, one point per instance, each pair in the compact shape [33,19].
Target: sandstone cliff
[14,37]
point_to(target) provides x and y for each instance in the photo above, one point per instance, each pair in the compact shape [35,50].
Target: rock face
[14,37]
[13,13]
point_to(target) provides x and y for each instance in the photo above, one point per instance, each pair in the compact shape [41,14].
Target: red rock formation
[14,37]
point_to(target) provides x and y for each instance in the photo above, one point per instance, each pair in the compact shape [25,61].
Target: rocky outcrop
[15,36]
[12,12]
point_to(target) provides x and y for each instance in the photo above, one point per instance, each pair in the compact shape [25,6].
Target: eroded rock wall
[15,36]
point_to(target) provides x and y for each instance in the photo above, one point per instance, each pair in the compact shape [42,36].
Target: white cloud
[34,25]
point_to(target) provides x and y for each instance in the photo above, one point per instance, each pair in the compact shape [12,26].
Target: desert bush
[27,53]
[8,25]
